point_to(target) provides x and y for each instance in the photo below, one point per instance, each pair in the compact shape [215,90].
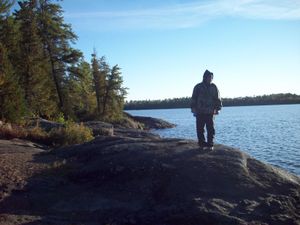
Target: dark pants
[208,121]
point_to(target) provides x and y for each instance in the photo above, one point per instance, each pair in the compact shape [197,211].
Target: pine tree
[33,65]
[11,98]
[9,37]
[99,69]
[40,69]
[5,5]
[81,93]
[57,37]
[114,94]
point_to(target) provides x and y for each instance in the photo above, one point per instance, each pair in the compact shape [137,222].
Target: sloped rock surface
[123,180]
[152,123]
[100,128]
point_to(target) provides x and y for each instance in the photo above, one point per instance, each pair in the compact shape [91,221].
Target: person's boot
[210,145]
[202,144]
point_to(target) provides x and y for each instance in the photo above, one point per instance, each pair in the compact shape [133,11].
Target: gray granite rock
[46,125]
[134,133]
[151,123]
[149,180]
[100,128]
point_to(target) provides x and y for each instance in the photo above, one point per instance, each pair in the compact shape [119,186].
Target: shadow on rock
[123,180]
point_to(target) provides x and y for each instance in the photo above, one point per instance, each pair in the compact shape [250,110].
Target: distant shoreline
[176,103]
[223,106]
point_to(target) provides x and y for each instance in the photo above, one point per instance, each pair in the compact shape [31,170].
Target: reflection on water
[268,133]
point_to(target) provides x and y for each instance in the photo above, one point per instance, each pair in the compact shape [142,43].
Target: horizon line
[253,96]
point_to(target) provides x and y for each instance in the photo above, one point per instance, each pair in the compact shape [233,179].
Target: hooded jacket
[205,99]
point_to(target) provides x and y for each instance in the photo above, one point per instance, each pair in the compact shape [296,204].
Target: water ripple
[268,133]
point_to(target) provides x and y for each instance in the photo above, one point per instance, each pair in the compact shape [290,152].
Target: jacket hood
[206,74]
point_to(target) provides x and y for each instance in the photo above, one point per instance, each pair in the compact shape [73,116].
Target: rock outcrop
[153,123]
[134,133]
[149,180]
[150,122]
[106,129]
[100,128]
[46,125]
[130,126]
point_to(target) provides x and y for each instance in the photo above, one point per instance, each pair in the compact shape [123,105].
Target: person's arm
[218,101]
[194,100]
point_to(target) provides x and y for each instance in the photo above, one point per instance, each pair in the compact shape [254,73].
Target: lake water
[268,133]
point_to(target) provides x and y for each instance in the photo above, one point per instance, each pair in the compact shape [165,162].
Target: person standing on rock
[206,103]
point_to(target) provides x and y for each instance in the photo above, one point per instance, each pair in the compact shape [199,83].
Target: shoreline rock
[151,123]
[132,126]
[149,180]
[100,128]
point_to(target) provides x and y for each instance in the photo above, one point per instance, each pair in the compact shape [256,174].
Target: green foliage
[99,71]
[114,95]
[10,38]
[33,70]
[11,97]
[5,6]
[41,75]
[81,93]
[108,85]
[71,134]
[37,134]
[60,118]
[57,37]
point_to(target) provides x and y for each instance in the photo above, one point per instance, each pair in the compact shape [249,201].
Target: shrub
[37,134]
[72,133]
[60,118]
[8,131]
[127,122]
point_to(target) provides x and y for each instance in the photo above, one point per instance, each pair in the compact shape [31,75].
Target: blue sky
[163,47]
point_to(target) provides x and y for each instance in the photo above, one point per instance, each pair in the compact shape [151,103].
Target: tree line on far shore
[184,102]
[43,75]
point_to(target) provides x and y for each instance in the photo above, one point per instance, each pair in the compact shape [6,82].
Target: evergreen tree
[108,84]
[11,98]
[5,5]
[33,65]
[114,94]
[9,37]
[40,70]
[105,71]
[99,69]
[81,93]
[57,37]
